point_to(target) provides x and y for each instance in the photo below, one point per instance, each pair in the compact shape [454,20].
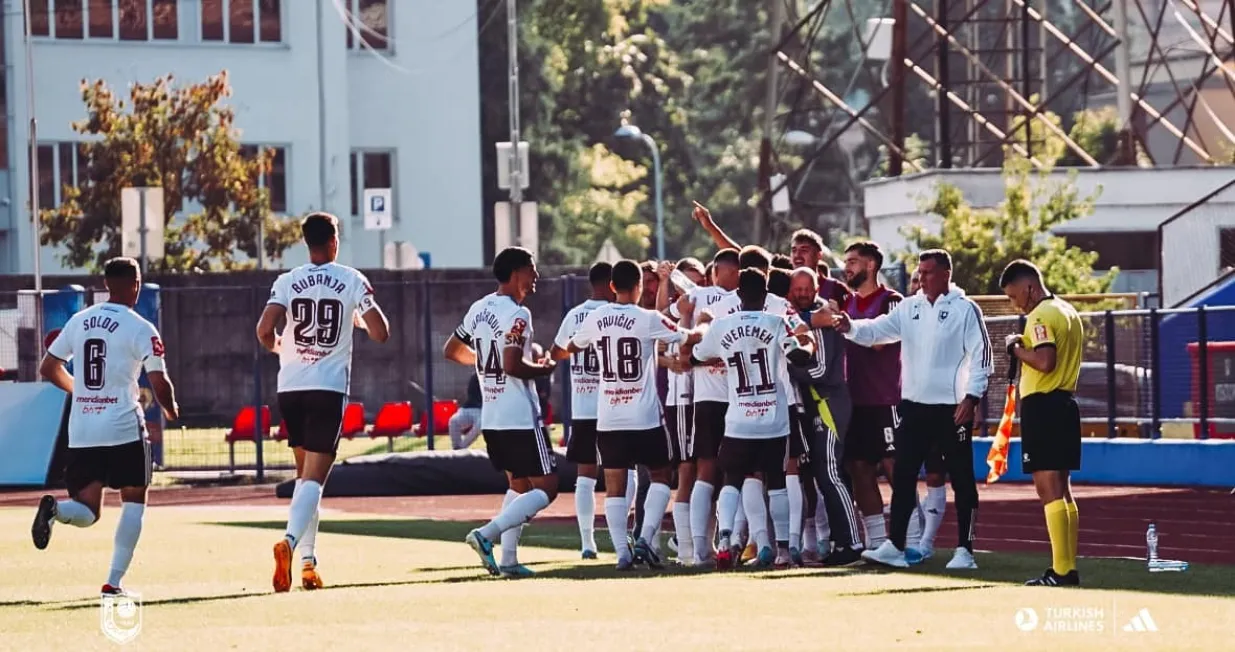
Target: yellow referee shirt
[1054,322]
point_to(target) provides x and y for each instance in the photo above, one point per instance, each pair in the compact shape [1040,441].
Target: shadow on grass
[994,568]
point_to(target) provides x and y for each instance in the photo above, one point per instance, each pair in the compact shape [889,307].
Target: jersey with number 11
[321,300]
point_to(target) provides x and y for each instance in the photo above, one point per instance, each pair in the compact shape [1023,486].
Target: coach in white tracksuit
[946,361]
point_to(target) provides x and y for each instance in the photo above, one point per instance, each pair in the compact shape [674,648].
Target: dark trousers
[826,454]
[922,427]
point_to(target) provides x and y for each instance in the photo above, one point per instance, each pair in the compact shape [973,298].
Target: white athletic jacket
[945,350]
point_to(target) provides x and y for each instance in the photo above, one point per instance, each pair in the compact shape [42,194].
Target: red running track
[1197,525]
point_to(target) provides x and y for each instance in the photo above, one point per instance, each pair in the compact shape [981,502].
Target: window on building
[69,19]
[276,180]
[242,21]
[40,24]
[60,164]
[270,28]
[4,100]
[1226,249]
[165,20]
[99,15]
[372,18]
[369,170]
[133,23]
[212,20]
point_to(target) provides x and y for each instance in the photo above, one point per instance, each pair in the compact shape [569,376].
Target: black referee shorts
[1050,432]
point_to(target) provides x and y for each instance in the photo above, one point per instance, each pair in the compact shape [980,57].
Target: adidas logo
[932,511]
[1141,622]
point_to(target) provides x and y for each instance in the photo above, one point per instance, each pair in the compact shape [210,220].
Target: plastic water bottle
[1151,544]
[681,280]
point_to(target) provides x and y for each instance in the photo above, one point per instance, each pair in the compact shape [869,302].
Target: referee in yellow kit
[1049,352]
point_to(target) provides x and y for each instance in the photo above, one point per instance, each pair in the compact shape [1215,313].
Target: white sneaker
[962,560]
[887,554]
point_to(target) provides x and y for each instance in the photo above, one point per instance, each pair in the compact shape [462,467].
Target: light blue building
[342,117]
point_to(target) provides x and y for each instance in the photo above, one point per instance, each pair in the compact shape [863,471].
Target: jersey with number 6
[584,365]
[321,300]
[110,343]
[624,337]
[751,345]
[492,325]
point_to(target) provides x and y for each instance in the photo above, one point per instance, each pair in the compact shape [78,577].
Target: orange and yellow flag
[997,458]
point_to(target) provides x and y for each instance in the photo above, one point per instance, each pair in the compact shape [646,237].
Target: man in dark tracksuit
[825,396]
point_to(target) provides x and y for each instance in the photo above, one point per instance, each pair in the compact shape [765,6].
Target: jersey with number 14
[751,345]
[624,337]
[492,325]
[316,348]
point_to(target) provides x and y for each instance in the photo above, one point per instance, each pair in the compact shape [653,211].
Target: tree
[180,139]
[983,241]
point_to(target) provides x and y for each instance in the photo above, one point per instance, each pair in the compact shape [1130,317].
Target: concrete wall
[423,104]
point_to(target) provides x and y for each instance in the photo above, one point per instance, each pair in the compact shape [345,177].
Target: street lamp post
[634,133]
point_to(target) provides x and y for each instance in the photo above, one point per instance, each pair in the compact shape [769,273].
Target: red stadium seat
[442,412]
[353,420]
[393,420]
[244,428]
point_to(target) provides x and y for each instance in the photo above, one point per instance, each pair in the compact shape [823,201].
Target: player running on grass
[496,338]
[321,302]
[629,422]
[107,433]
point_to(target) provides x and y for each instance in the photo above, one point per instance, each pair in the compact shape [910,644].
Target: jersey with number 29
[492,325]
[110,343]
[316,351]
[751,345]
[624,337]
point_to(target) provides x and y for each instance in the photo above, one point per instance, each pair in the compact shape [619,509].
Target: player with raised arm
[107,432]
[584,384]
[496,338]
[753,343]
[629,423]
[320,303]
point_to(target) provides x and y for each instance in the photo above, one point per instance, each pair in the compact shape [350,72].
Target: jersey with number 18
[110,343]
[321,300]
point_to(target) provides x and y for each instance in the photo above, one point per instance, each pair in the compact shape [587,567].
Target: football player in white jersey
[320,303]
[629,423]
[496,338]
[584,384]
[753,343]
[107,431]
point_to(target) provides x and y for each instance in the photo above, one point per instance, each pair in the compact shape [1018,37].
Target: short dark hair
[754,256]
[781,261]
[510,260]
[319,229]
[1019,270]
[806,236]
[752,286]
[600,274]
[941,257]
[627,274]
[121,269]
[778,281]
[867,249]
[727,256]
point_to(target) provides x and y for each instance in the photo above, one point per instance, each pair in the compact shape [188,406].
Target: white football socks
[632,488]
[510,538]
[654,506]
[74,513]
[728,504]
[913,535]
[756,512]
[128,531]
[876,530]
[308,542]
[585,511]
[304,505]
[701,518]
[682,531]
[615,519]
[797,502]
[810,540]
[519,511]
[934,507]
[741,525]
[823,529]
[778,505]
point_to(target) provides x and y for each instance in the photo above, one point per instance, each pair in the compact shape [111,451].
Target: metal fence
[1140,376]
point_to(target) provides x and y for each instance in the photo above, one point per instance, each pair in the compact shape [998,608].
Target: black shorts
[581,449]
[122,465]
[799,427]
[745,457]
[680,422]
[521,453]
[624,449]
[314,419]
[935,463]
[872,433]
[1050,432]
[709,429]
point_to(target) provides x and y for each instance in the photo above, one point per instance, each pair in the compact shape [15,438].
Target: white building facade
[402,113]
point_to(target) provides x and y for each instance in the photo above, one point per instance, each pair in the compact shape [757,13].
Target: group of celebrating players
[777,384]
